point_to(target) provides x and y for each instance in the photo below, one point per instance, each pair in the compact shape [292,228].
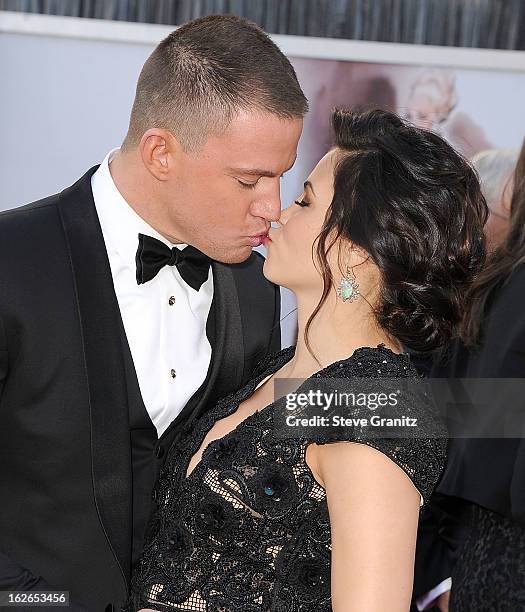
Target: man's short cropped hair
[207,71]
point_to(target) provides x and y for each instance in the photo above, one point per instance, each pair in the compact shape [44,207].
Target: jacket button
[159,452]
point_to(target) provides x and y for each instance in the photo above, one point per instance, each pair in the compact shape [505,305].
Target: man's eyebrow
[308,184]
[259,172]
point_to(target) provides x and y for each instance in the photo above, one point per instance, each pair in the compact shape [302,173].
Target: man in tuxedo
[132,301]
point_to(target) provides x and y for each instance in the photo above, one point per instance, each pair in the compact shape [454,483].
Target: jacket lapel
[99,321]
[227,363]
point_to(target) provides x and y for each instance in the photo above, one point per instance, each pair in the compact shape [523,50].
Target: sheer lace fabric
[248,529]
[489,575]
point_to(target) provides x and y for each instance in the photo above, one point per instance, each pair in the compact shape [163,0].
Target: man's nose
[269,208]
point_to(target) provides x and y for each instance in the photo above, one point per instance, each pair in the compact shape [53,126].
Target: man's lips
[257,239]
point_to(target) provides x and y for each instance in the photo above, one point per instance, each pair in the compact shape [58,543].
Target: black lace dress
[489,574]
[248,529]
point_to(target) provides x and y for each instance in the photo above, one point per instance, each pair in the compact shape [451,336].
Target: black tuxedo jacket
[66,477]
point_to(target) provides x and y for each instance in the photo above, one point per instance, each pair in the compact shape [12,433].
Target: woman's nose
[285,215]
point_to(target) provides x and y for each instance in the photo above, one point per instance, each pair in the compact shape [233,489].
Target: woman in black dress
[485,477]
[378,250]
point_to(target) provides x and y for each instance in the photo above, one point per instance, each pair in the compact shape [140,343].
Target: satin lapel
[228,344]
[99,321]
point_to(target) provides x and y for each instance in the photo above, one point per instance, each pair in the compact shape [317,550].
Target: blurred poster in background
[472,109]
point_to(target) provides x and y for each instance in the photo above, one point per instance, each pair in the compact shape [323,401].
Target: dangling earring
[348,288]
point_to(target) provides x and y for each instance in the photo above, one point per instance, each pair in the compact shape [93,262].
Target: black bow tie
[153,255]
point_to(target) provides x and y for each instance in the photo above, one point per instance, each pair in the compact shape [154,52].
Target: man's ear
[159,150]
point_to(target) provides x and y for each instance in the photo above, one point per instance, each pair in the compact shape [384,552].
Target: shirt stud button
[171,301]
[173,373]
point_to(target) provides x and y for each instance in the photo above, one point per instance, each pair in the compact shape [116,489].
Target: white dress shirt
[426,600]
[164,319]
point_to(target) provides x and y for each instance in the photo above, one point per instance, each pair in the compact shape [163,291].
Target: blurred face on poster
[431,100]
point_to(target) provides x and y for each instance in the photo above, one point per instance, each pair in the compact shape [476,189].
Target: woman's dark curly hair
[414,205]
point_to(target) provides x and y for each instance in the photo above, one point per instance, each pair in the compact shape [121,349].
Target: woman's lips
[268,239]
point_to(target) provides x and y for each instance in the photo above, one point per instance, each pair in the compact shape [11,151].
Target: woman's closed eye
[302,203]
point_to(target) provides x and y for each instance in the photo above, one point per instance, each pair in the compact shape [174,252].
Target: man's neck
[136,187]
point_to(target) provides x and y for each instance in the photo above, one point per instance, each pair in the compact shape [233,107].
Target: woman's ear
[348,255]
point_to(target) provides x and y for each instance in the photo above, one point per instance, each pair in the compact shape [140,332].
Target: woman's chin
[266,269]
[269,270]
[273,271]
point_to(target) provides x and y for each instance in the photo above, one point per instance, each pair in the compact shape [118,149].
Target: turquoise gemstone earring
[348,288]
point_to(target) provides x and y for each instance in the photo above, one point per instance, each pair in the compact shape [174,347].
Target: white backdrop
[68,85]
